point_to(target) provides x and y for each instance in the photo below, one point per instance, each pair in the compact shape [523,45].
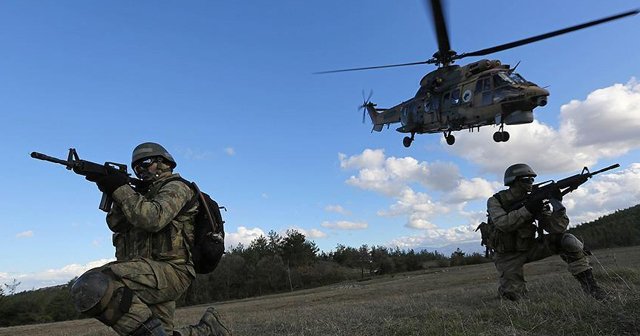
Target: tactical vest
[520,240]
[168,244]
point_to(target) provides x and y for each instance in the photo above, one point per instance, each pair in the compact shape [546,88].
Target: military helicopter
[452,97]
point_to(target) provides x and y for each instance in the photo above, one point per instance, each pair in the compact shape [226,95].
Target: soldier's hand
[534,206]
[546,209]
[109,183]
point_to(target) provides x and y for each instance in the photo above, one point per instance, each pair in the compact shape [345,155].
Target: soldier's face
[146,169]
[525,183]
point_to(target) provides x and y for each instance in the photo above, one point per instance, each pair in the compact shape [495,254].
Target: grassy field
[452,301]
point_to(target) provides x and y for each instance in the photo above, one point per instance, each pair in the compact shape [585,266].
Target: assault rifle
[555,190]
[548,192]
[88,168]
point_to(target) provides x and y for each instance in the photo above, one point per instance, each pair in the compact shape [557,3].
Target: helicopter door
[483,95]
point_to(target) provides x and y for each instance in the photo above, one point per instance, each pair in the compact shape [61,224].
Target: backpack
[489,233]
[207,246]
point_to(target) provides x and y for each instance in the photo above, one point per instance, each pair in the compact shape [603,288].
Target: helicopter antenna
[514,68]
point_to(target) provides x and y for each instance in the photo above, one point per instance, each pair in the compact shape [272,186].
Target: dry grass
[453,301]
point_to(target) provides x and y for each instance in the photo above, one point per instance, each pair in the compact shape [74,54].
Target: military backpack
[207,245]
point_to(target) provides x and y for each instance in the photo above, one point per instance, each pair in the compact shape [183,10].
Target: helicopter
[453,97]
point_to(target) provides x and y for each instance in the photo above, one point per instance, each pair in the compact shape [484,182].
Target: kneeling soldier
[137,293]
[515,235]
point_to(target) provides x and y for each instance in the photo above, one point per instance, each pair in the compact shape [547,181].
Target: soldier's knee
[95,294]
[571,243]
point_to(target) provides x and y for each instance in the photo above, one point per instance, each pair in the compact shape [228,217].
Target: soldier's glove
[534,206]
[557,194]
[109,183]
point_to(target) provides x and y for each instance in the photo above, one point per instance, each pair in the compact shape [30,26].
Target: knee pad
[95,294]
[91,292]
[570,243]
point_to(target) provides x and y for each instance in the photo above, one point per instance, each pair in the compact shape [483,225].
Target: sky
[228,88]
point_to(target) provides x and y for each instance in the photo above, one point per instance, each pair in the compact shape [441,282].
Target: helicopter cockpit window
[483,84]
[455,97]
[502,79]
[517,78]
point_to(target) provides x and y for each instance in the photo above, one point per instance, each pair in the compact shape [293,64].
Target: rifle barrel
[45,157]
[613,166]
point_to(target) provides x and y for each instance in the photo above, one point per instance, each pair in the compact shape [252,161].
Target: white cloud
[195,154]
[242,235]
[390,175]
[52,276]
[25,234]
[310,234]
[345,225]
[337,209]
[230,151]
[473,189]
[437,237]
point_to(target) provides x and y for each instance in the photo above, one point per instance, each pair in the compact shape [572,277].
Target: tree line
[279,263]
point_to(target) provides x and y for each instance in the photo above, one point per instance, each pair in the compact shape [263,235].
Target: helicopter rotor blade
[444,47]
[372,67]
[544,36]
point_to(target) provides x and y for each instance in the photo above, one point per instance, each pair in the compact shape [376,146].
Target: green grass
[453,301]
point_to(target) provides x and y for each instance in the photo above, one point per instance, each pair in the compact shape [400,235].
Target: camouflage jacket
[516,229]
[152,225]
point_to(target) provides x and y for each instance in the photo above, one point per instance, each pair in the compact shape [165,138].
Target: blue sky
[228,89]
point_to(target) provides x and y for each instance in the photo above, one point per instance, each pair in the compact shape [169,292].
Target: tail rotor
[366,102]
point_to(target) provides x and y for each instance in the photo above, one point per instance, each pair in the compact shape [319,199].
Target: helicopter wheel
[497,136]
[450,139]
[407,141]
[501,136]
[505,136]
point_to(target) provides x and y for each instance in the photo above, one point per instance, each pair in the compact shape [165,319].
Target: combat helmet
[517,170]
[151,149]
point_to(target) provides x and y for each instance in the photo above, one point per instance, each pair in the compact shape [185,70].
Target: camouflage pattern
[151,236]
[517,244]
[149,225]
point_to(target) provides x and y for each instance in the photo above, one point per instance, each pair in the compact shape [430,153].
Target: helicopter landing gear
[501,135]
[408,140]
[449,138]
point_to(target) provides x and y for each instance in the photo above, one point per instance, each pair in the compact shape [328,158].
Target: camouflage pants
[156,287]
[510,264]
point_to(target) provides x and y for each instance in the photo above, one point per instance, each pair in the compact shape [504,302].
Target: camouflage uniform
[516,243]
[152,253]
[153,229]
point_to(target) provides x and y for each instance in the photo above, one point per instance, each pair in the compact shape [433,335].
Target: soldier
[137,293]
[515,242]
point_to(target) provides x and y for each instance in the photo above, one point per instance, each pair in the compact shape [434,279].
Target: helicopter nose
[538,95]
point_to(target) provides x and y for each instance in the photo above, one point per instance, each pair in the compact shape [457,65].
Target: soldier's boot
[590,286]
[210,325]
[152,327]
